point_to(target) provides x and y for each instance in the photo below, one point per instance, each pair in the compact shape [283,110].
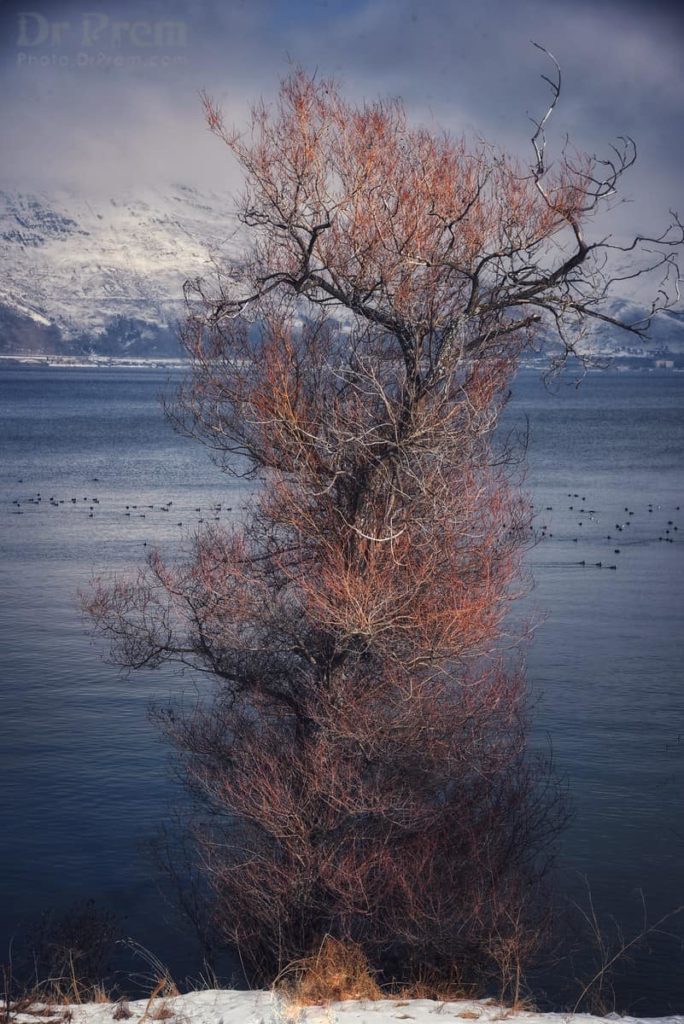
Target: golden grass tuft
[164,989]
[99,995]
[335,972]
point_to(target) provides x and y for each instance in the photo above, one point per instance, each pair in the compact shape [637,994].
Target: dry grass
[164,989]
[339,971]
[162,1011]
[335,972]
[439,990]
[46,999]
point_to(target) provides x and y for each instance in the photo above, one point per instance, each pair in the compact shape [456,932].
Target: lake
[85,780]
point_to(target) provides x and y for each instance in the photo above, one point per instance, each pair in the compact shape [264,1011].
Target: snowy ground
[231,1007]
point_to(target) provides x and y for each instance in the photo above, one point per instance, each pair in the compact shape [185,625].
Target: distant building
[664,364]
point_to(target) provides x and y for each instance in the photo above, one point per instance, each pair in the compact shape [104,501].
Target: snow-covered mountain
[665,334]
[104,276]
[80,275]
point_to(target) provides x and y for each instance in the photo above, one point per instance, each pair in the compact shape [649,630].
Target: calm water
[84,779]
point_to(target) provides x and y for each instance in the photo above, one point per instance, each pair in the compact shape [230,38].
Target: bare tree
[450,248]
[363,756]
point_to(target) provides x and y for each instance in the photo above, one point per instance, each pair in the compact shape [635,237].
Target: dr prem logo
[96,29]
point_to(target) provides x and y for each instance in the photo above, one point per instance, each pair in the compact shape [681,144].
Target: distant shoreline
[615,364]
[95,362]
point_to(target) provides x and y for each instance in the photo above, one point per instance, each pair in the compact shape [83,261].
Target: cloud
[132,116]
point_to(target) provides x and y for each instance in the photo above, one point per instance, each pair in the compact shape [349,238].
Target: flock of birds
[583,525]
[192,515]
[596,519]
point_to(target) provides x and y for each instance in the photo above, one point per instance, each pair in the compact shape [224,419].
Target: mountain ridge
[85,276]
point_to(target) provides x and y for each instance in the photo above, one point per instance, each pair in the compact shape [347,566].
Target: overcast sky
[102,97]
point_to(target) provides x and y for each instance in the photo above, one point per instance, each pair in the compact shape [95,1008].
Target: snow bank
[231,1007]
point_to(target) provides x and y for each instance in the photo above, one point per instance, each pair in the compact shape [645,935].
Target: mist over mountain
[104,277]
